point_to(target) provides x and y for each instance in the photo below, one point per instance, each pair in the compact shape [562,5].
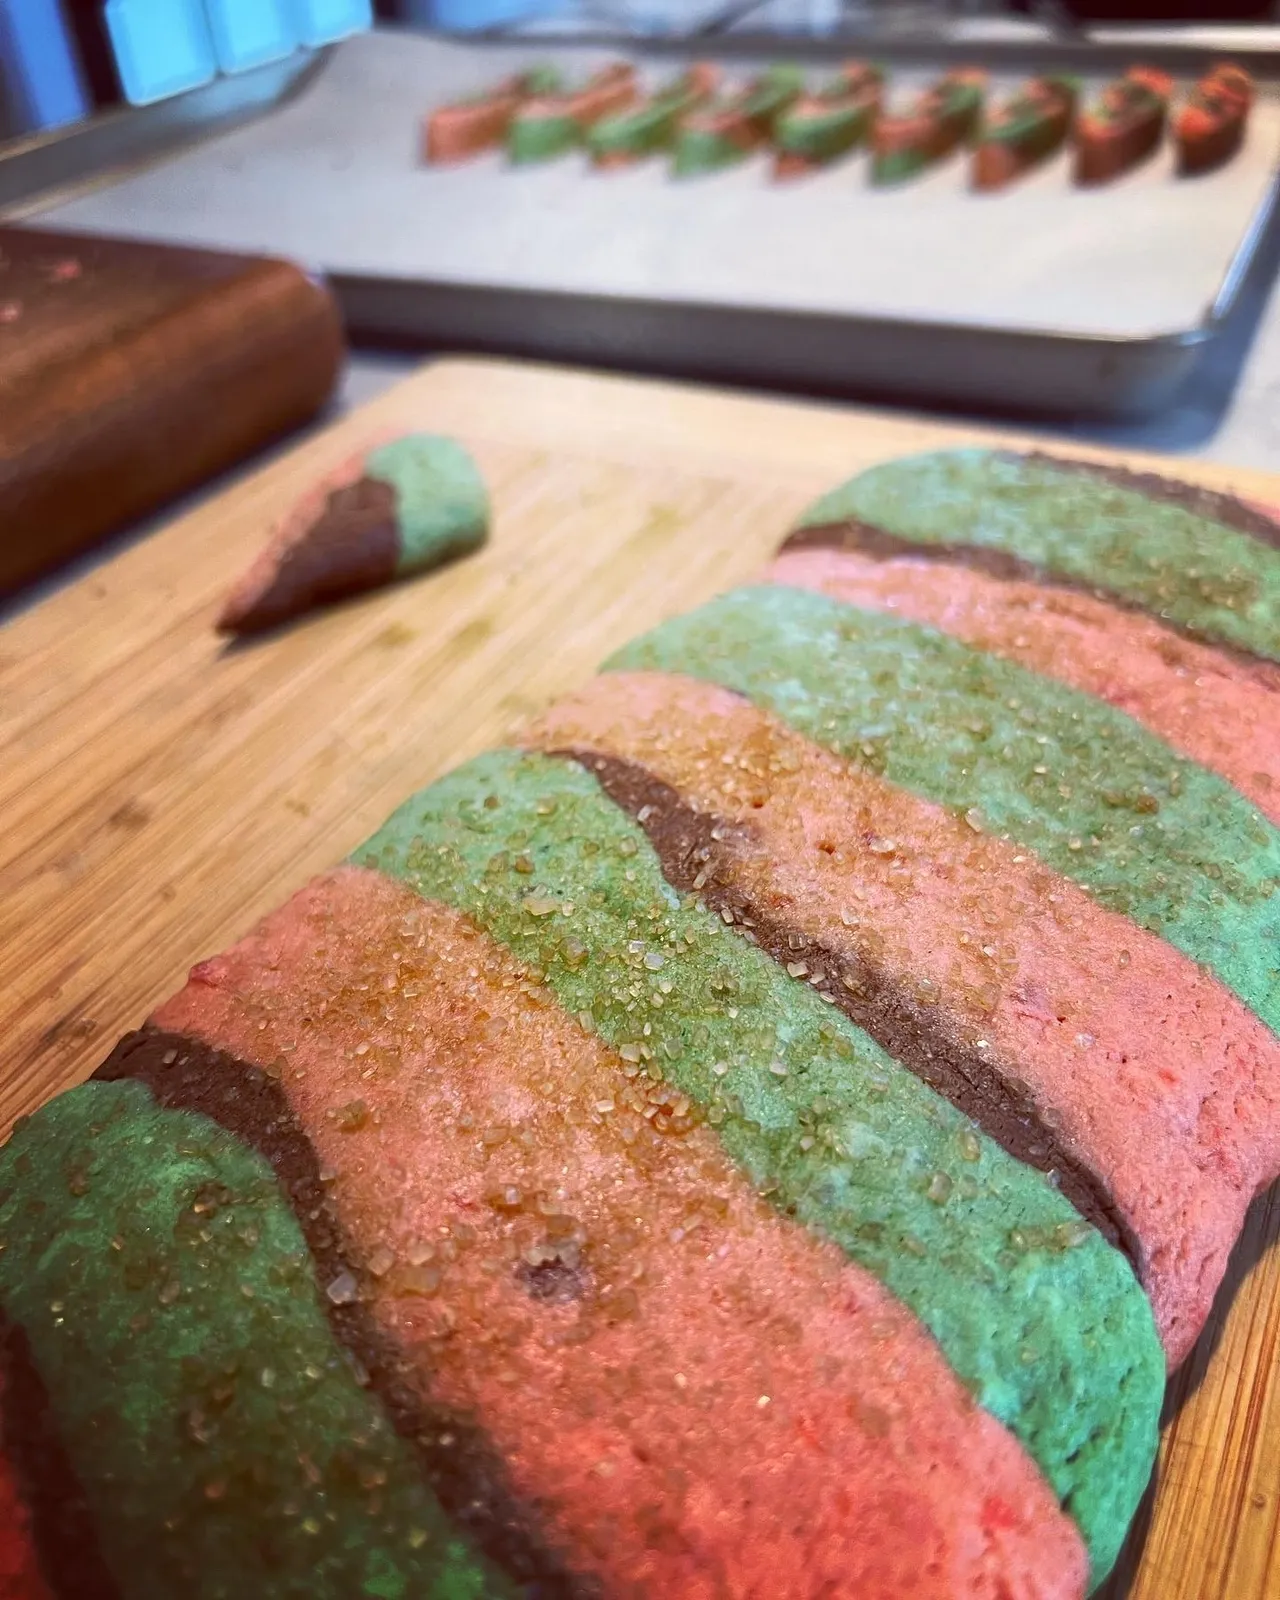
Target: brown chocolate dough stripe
[62,1525]
[353,545]
[869,540]
[695,849]
[464,1471]
[1213,504]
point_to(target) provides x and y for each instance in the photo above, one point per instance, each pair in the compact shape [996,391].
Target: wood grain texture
[129,372]
[159,788]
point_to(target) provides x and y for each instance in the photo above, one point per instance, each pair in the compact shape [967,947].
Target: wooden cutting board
[160,788]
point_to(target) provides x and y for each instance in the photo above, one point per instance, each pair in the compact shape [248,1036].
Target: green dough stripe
[442,502]
[1148,832]
[1215,581]
[149,1255]
[1036,1313]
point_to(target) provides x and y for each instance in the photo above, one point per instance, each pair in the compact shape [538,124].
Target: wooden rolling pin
[130,372]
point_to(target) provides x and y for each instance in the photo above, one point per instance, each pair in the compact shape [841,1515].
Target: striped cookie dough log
[21,1575]
[1040,1318]
[1080,1043]
[185,1419]
[409,505]
[1204,562]
[702,1398]
[1093,794]
[1218,709]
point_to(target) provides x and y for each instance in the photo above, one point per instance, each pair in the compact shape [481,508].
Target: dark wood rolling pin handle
[132,372]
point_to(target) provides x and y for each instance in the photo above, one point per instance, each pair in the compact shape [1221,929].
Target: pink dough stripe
[1153,1076]
[1216,708]
[701,1398]
[20,1576]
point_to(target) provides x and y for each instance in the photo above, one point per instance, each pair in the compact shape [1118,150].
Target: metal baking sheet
[1042,296]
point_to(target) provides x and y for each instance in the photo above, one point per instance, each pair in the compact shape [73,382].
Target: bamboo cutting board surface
[160,789]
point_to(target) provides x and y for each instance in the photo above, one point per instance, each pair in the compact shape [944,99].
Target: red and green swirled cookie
[1123,126]
[820,126]
[768,1134]
[945,116]
[1210,125]
[1024,132]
